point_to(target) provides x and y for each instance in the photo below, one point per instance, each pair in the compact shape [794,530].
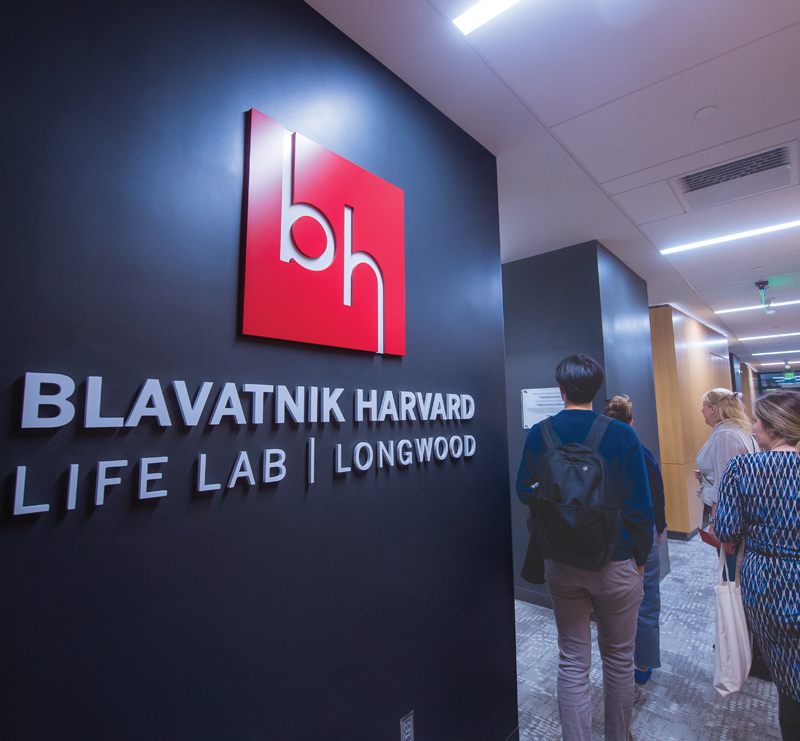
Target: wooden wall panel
[665,375]
[721,374]
[748,388]
[677,508]
[692,375]
[688,360]
[694,505]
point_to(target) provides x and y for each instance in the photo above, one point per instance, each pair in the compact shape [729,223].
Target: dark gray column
[580,299]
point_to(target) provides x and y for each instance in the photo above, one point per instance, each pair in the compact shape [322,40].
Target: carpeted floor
[679,702]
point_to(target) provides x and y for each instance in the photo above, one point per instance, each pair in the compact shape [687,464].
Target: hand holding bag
[734,645]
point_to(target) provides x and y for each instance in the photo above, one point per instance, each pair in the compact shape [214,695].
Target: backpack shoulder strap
[549,435]
[597,431]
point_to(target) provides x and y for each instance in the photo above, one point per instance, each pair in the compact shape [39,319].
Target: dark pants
[647,651]
[789,717]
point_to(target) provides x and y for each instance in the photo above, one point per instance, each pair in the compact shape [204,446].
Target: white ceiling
[589,107]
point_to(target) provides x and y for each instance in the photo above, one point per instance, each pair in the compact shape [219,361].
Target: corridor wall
[689,359]
[737,379]
[580,299]
[749,394]
[167,575]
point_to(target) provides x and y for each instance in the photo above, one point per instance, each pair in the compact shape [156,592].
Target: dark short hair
[580,378]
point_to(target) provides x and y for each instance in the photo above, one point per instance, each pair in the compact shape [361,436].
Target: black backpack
[577,514]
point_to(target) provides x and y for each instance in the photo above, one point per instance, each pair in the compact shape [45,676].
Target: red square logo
[324,256]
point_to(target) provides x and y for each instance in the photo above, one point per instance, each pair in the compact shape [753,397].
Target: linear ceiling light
[483,11]
[758,306]
[791,362]
[731,237]
[769,336]
[777,352]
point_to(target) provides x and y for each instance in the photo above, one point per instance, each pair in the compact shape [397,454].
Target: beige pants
[614,594]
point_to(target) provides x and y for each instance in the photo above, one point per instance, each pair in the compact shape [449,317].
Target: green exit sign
[788,376]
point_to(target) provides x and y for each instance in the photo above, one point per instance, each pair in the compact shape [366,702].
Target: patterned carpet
[679,702]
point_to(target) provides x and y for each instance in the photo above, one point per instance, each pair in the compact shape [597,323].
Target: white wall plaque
[539,404]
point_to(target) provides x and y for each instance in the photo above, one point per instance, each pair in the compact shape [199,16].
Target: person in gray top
[723,411]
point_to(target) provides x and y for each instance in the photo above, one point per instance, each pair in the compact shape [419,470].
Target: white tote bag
[734,645]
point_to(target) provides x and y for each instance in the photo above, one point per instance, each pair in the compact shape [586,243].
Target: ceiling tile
[648,203]
[730,150]
[776,207]
[566,58]
[753,88]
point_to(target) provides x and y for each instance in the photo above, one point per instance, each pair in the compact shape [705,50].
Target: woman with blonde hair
[759,500]
[647,648]
[723,411]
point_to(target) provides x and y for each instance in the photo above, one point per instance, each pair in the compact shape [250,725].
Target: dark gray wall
[579,299]
[551,309]
[626,339]
[629,352]
[281,611]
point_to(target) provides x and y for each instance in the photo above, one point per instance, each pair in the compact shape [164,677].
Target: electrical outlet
[407,727]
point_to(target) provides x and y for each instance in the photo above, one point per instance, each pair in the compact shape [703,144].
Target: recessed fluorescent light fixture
[758,306]
[791,362]
[731,237]
[777,352]
[481,12]
[769,336]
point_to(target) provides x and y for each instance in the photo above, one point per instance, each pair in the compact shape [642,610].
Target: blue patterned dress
[759,499]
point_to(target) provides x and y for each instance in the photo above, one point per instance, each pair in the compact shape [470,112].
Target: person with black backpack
[583,476]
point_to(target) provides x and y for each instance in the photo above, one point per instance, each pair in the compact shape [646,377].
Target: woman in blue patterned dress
[759,499]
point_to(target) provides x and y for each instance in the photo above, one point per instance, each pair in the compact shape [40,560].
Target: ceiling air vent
[742,178]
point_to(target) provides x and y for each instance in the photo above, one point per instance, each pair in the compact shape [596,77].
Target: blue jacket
[625,462]
[656,490]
